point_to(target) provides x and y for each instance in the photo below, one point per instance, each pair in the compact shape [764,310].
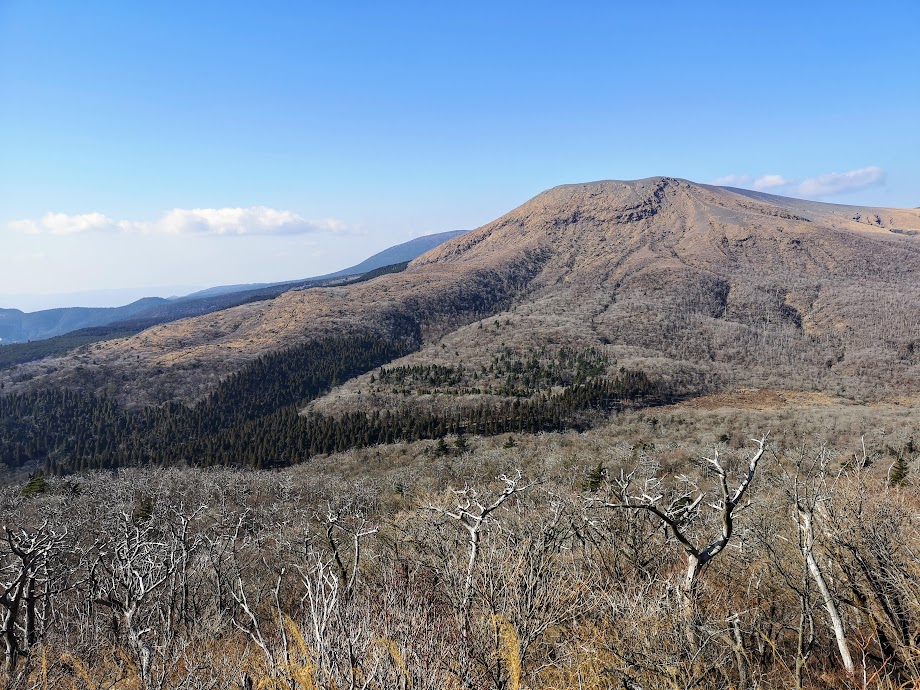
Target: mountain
[396,254]
[17,326]
[399,253]
[705,288]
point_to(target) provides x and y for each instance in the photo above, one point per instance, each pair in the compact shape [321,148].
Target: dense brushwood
[310,578]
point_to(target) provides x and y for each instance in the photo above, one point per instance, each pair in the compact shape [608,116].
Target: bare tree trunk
[831,606]
[688,594]
[25,581]
[740,656]
[803,644]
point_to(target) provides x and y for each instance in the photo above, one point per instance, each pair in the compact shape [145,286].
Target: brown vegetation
[398,567]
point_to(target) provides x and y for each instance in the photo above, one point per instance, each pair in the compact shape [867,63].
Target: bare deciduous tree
[808,493]
[681,510]
[27,583]
[129,573]
[472,512]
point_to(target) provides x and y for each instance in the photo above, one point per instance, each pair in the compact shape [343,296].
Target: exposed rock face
[688,280]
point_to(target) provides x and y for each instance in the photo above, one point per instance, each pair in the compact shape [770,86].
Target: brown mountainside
[705,284]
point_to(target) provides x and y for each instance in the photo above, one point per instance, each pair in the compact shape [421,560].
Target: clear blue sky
[343,128]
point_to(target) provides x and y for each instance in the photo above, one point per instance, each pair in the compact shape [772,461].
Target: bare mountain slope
[704,284]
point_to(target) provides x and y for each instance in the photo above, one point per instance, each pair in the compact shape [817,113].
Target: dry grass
[510,651]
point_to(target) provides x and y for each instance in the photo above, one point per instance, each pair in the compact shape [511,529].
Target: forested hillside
[12,354]
[671,277]
[254,419]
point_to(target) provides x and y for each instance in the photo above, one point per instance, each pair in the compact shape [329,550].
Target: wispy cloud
[750,182]
[832,184]
[744,181]
[771,182]
[828,184]
[64,224]
[255,220]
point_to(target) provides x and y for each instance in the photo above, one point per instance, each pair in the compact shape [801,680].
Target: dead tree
[188,540]
[532,582]
[250,623]
[127,577]
[322,604]
[808,495]
[863,537]
[472,513]
[26,586]
[680,511]
[352,522]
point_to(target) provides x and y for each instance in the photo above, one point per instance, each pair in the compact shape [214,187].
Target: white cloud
[832,184]
[771,182]
[829,184]
[64,224]
[255,220]
[733,181]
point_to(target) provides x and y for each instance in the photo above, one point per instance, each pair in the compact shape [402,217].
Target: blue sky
[158,145]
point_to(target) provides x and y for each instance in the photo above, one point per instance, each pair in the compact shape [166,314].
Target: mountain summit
[707,285]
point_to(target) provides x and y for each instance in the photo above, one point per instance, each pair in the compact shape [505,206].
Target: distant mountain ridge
[407,251]
[17,326]
[393,255]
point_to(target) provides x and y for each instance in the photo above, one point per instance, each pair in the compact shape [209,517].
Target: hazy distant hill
[706,286]
[17,326]
[407,251]
[393,255]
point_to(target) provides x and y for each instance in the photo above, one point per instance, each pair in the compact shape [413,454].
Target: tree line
[254,417]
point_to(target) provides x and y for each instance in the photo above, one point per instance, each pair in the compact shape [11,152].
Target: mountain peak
[673,274]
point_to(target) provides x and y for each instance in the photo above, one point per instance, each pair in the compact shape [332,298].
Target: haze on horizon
[206,144]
